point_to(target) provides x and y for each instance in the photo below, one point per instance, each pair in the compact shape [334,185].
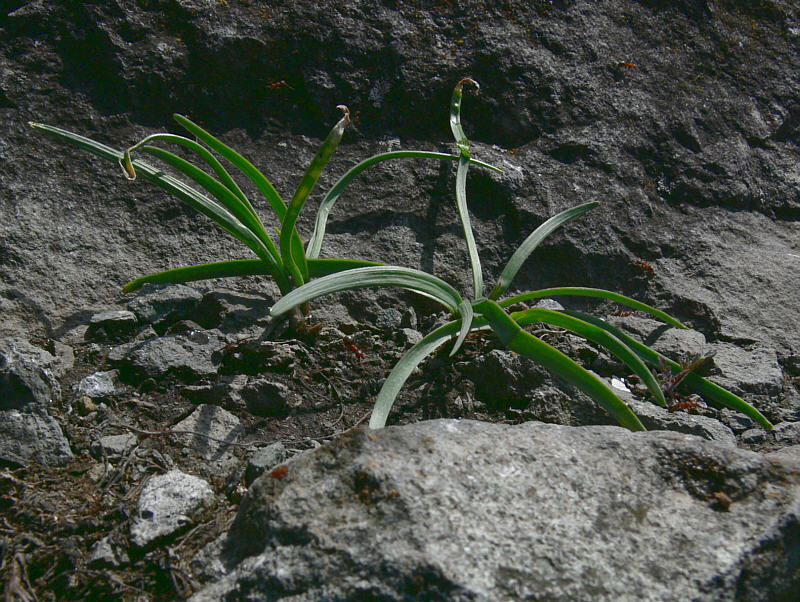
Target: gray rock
[189,356]
[264,459]
[389,320]
[28,387]
[459,510]
[790,453]
[704,192]
[114,446]
[787,433]
[99,385]
[747,371]
[111,324]
[678,344]
[26,438]
[107,553]
[409,337]
[213,430]
[640,328]
[168,503]
[27,377]
[265,397]
[162,306]
[409,319]
[238,313]
[224,392]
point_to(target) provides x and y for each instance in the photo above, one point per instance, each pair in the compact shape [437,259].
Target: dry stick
[338,398]
[347,430]
[120,471]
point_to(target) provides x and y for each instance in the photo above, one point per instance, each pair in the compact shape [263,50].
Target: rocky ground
[134,428]
[201,391]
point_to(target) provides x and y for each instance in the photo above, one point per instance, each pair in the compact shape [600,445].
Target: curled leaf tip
[127,166]
[468,80]
[346,112]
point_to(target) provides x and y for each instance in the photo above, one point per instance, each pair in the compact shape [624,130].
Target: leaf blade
[581,291]
[300,197]
[403,369]
[520,341]
[315,243]
[533,240]
[698,383]
[372,276]
[599,336]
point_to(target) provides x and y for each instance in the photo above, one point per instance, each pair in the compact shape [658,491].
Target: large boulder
[462,510]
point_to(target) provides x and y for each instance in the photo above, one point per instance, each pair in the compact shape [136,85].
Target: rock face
[682,118]
[460,510]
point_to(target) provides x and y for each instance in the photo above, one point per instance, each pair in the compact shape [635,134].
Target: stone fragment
[28,387]
[389,320]
[638,327]
[108,553]
[461,510]
[32,437]
[656,418]
[786,433]
[409,319]
[265,397]
[114,446]
[85,405]
[99,385]
[224,392]
[162,306]
[111,324]
[189,356]
[678,344]
[233,312]
[27,377]
[212,427]
[409,337]
[167,504]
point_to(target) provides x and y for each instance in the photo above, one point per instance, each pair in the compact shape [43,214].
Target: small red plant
[359,353]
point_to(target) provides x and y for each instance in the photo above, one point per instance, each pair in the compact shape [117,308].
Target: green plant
[222,200]
[487,311]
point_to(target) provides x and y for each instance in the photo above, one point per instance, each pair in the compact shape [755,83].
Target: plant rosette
[489,312]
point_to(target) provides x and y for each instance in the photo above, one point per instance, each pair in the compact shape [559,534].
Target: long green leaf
[297,257]
[580,291]
[517,339]
[599,336]
[375,276]
[200,202]
[243,212]
[461,187]
[200,150]
[455,115]
[239,267]
[245,166]
[317,268]
[469,235]
[692,382]
[303,190]
[529,245]
[403,369]
[467,313]
[315,244]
